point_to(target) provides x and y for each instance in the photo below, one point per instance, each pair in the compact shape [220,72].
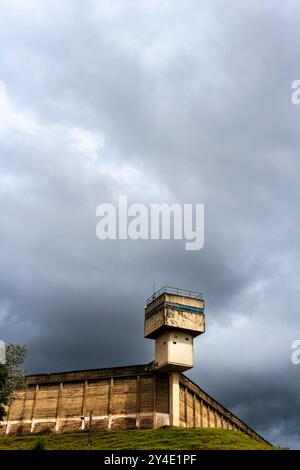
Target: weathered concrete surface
[160,315]
[173,321]
[120,398]
[174,351]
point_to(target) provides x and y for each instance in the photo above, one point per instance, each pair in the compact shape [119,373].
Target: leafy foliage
[12,375]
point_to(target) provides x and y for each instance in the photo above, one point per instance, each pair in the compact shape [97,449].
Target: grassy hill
[148,439]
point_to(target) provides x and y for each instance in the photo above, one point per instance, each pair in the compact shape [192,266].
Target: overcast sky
[163,101]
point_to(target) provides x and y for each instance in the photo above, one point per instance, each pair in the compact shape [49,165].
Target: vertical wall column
[23,409]
[208,416]
[215,418]
[194,410]
[7,421]
[83,407]
[34,407]
[222,421]
[174,399]
[154,400]
[59,406]
[201,413]
[186,407]
[110,402]
[138,401]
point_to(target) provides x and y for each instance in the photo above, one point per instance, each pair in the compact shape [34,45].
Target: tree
[12,375]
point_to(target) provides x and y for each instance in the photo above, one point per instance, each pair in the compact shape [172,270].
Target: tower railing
[177,291]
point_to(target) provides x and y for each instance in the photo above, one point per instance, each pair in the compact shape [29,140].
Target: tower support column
[174,399]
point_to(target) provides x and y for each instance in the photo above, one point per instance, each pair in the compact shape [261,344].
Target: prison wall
[119,398]
[199,409]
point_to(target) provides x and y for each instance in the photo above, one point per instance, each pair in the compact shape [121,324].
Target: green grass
[147,439]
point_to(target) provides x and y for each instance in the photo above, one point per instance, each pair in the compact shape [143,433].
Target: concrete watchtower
[173,318]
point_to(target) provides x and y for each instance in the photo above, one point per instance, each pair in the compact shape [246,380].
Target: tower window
[187,339]
[174,342]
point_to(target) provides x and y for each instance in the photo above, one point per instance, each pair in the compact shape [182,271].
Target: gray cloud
[166,103]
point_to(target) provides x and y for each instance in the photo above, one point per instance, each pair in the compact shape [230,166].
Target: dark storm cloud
[164,102]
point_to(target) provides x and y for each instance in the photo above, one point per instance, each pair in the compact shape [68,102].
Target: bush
[40,444]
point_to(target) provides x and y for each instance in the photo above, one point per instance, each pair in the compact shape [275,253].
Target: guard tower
[173,318]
